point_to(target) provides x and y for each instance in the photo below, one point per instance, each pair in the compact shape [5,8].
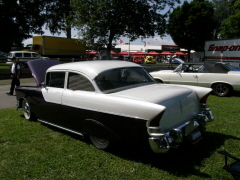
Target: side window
[55,79]
[79,82]
[202,69]
[26,54]
[18,55]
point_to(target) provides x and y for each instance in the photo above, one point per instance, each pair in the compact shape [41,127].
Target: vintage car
[215,75]
[138,59]
[149,60]
[107,101]
[177,61]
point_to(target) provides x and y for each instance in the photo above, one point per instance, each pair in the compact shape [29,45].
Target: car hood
[182,103]
[39,67]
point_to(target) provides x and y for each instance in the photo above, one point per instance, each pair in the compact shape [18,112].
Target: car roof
[216,67]
[212,67]
[92,68]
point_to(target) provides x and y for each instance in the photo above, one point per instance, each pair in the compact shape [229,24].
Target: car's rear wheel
[221,89]
[27,110]
[99,143]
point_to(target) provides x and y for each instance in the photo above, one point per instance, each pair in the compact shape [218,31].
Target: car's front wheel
[99,143]
[27,111]
[221,89]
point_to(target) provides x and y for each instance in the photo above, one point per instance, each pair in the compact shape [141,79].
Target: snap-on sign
[212,47]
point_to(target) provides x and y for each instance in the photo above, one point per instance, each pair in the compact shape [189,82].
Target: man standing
[170,62]
[15,75]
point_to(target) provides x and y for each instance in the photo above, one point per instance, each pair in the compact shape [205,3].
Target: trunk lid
[182,104]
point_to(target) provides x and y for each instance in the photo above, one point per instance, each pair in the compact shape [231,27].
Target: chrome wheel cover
[26,110]
[99,143]
[221,89]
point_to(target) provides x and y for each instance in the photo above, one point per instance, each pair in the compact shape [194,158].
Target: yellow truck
[56,47]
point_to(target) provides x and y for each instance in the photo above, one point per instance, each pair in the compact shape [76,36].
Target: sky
[153,41]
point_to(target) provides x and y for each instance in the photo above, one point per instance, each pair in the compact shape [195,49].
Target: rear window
[117,79]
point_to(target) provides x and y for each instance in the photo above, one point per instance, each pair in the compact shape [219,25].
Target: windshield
[121,78]
[29,46]
[178,69]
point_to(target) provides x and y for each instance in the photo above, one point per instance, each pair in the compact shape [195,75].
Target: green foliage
[101,21]
[56,14]
[191,24]
[19,18]
[230,26]
[30,150]
[222,11]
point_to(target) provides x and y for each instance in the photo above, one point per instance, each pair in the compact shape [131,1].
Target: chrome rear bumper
[162,142]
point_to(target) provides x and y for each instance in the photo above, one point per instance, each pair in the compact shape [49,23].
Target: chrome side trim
[60,127]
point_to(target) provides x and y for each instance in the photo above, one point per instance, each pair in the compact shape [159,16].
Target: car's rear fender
[96,128]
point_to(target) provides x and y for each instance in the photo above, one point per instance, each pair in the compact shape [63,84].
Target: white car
[114,101]
[23,56]
[221,77]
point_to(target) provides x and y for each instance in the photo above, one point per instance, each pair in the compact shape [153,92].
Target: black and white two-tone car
[114,101]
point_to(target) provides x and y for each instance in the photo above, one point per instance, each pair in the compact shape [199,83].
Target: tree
[22,18]
[191,24]
[222,11]
[56,14]
[230,26]
[105,21]
[18,20]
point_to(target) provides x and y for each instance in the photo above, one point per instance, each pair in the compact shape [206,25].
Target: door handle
[195,76]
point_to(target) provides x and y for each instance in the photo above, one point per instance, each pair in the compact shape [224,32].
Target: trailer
[57,47]
[224,50]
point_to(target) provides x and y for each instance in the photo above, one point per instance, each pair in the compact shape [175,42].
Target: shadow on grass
[236,94]
[177,162]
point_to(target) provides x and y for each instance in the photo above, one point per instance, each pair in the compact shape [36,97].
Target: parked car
[107,101]
[150,60]
[3,57]
[23,56]
[177,61]
[231,67]
[215,75]
[138,59]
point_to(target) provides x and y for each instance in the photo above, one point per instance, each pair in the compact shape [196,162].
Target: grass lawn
[30,150]
[4,66]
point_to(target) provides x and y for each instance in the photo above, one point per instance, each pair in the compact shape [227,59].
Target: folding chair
[233,168]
